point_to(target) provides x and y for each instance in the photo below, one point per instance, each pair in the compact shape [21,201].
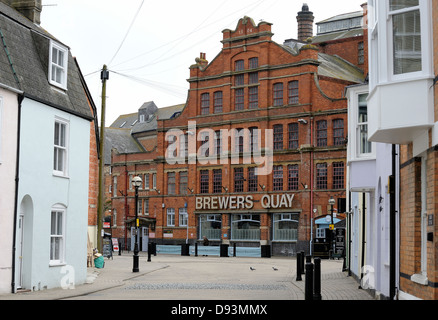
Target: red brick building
[253,156]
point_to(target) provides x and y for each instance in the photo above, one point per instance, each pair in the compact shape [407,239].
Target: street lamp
[136,183]
[332,203]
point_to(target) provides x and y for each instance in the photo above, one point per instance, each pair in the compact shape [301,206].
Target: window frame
[60,253]
[63,148]
[321,176]
[293,94]
[170,217]
[205,103]
[277,178]
[64,68]
[338,175]
[278,94]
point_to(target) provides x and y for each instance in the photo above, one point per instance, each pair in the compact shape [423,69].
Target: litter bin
[99,262]
[266,251]
[185,249]
[224,250]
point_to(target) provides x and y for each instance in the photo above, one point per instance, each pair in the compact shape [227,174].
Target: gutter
[17,180]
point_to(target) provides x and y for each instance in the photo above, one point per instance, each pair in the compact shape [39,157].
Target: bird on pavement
[251,268]
[275,269]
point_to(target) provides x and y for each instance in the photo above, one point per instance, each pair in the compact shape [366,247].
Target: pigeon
[252,269]
[275,269]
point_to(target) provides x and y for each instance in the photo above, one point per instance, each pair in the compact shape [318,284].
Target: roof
[338,68]
[24,60]
[120,139]
[344,16]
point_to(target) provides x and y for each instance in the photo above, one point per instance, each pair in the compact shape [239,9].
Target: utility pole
[104,76]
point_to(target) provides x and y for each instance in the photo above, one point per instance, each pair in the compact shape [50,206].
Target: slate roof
[24,65]
[120,139]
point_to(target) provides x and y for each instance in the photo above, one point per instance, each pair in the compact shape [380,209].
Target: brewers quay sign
[273,201]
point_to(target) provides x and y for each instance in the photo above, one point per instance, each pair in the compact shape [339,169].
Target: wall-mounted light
[302,121]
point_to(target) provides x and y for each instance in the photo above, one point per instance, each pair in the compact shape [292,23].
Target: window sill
[60,175]
[420,279]
[57,264]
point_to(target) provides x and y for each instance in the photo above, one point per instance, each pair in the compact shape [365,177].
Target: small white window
[58,62]
[183,217]
[60,155]
[57,235]
[171,217]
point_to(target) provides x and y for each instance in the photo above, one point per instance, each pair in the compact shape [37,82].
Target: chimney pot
[305,20]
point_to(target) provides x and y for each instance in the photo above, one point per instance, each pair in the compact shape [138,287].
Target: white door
[20,251]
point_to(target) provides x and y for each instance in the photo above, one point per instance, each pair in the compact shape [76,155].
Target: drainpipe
[392,227]
[17,178]
[363,236]
[311,186]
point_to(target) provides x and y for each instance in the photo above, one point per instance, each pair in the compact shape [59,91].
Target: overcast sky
[150,45]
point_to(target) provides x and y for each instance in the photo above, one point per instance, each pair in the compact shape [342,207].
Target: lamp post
[136,183]
[332,203]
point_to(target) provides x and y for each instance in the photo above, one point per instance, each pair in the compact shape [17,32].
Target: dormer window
[58,60]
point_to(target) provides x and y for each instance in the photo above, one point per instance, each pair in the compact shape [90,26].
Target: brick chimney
[31,9]
[305,20]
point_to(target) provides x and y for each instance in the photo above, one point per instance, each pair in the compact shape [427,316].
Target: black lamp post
[332,244]
[136,182]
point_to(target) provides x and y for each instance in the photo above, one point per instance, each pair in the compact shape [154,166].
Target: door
[20,251]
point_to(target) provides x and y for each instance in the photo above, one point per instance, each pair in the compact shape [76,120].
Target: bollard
[317,280]
[303,269]
[234,249]
[308,293]
[196,249]
[149,251]
[298,267]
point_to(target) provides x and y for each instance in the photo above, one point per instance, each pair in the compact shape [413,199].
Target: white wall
[39,186]
[8,153]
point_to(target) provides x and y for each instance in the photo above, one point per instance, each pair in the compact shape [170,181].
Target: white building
[45,144]
[369,168]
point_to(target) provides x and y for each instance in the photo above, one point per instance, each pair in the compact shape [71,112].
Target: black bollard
[317,280]
[149,251]
[303,255]
[234,249]
[298,267]
[196,249]
[308,293]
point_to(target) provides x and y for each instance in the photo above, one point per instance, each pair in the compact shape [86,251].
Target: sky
[149,46]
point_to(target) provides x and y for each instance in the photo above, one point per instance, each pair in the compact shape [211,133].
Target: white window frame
[53,66]
[183,217]
[61,148]
[426,40]
[62,211]
[170,217]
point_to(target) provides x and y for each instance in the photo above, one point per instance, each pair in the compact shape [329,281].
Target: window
[238,140]
[139,207]
[60,148]
[245,227]
[240,99]
[146,181]
[238,179]
[239,65]
[239,80]
[253,78]
[217,181]
[292,177]
[154,181]
[362,125]
[321,176]
[205,144]
[171,183]
[321,133]
[252,179]
[338,132]
[338,175]
[293,95]
[210,226]
[253,97]
[218,142]
[170,217]
[205,103]
[361,53]
[278,94]
[217,103]
[254,63]
[278,137]
[293,136]
[204,183]
[183,217]
[183,182]
[146,207]
[115,186]
[406,26]
[278,178]
[57,235]
[285,227]
[58,65]
[254,139]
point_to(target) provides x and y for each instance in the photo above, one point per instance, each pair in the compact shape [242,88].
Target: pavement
[185,278]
